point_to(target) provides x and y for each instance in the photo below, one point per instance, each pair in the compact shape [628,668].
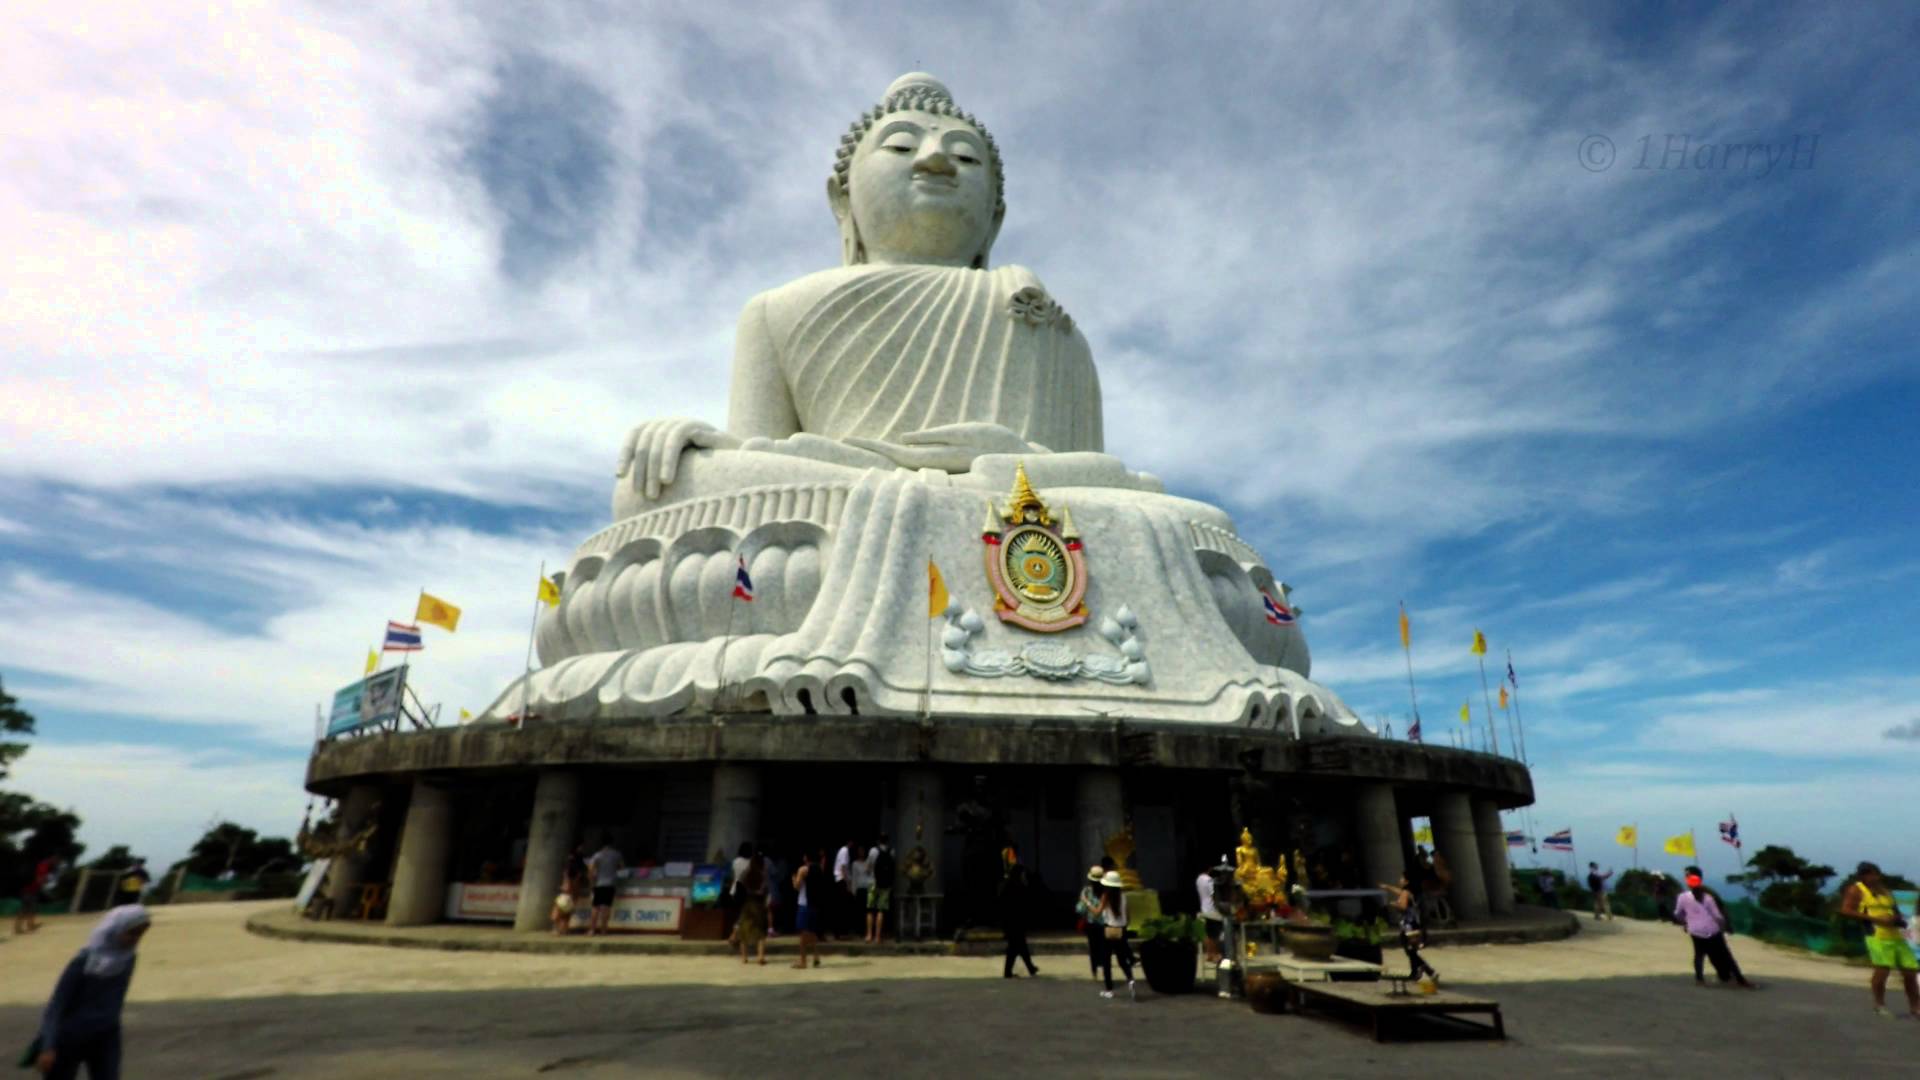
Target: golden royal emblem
[1035,565]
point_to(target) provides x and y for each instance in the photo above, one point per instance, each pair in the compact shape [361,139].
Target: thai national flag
[1560,841]
[1516,838]
[401,637]
[742,584]
[1730,832]
[1413,733]
[1278,614]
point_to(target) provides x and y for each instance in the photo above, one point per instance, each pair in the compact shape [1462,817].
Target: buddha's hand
[651,455]
[950,447]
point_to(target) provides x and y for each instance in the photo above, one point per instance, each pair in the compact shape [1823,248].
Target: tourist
[1706,924]
[1413,937]
[605,865]
[45,872]
[859,882]
[809,903]
[750,889]
[1597,882]
[1113,927]
[1543,881]
[880,888]
[840,911]
[1209,914]
[81,1025]
[1871,901]
[730,900]
[1087,909]
[133,884]
[1016,894]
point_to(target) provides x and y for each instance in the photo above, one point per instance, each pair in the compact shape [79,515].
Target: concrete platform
[1527,925]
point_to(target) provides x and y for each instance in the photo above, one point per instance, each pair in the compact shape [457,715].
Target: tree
[228,846]
[13,721]
[1786,882]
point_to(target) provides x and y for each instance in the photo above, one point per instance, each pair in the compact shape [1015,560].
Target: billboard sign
[371,702]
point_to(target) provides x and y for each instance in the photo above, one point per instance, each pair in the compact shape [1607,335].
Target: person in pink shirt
[1706,924]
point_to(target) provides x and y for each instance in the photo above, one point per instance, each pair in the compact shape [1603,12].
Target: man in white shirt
[842,919]
[605,866]
[1209,915]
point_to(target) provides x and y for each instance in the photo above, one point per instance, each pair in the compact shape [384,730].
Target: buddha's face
[921,190]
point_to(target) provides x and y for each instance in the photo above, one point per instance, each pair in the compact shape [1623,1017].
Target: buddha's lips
[937,181]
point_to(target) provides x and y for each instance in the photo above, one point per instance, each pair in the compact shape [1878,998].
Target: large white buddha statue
[914,405]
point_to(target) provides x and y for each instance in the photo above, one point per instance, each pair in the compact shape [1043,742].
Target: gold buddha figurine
[1246,859]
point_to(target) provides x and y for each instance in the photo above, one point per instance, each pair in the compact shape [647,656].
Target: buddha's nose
[935,160]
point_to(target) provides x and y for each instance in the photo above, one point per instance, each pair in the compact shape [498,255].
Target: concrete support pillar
[1456,840]
[551,833]
[1493,855]
[735,815]
[420,875]
[349,871]
[1099,810]
[920,819]
[1376,820]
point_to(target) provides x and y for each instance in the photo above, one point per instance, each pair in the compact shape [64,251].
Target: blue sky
[311,308]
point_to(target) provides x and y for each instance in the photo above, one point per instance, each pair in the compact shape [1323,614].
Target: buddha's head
[916,180]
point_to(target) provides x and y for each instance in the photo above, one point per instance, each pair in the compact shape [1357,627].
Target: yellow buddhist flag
[465,716]
[1503,697]
[1466,713]
[434,610]
[937,599]
[1479,643]
[1680,845]
[373,661]
[1629,836]
[1423,835]
[1406,631]
[549,592]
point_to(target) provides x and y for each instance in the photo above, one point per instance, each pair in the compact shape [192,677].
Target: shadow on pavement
[1053,1026]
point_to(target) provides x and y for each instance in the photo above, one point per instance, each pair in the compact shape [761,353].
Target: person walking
[1113,926]
[1597,883]
[1549,892]
[1087,908]
[750,892]
[1870,900]
[45,872]
[81,1024]
[1413,937]
[1016,896]
[879,896]
[605,866]
[1706,924]
[810,893]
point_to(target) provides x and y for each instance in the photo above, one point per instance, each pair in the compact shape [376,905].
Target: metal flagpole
[926,705]
[720,663]
[1492,733]
[1406,650]
[1636,845]
[1519,720]
[533,627]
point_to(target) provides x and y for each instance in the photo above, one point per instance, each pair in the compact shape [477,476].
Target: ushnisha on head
[917,180]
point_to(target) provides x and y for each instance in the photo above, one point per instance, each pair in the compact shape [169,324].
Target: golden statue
[1246,859]
[1119,848]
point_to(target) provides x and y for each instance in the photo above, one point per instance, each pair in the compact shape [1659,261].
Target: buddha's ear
[852,251]
[999,217]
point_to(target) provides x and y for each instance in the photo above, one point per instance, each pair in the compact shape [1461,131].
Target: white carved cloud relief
[343,257]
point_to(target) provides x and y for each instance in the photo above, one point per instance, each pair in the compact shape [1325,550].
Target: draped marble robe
[881,351]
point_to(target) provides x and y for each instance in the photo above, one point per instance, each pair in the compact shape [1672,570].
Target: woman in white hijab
[82,1023]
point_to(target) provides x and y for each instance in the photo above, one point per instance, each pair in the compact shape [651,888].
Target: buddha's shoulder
[781,308]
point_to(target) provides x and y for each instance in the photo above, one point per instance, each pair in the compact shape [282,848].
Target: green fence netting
[1779,928]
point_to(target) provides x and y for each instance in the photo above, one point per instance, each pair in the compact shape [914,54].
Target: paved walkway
[211,1001]
[279,921]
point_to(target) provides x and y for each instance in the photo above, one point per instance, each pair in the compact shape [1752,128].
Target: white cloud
[159,799]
